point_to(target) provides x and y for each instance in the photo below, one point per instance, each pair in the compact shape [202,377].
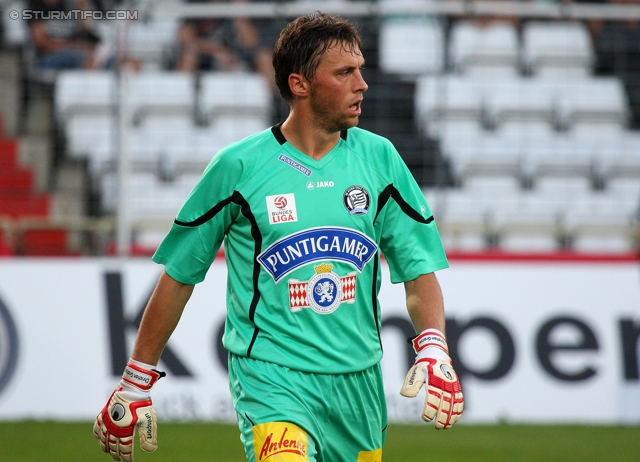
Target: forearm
[425,303]
[160,318]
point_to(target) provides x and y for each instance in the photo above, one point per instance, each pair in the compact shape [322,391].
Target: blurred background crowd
[519,119]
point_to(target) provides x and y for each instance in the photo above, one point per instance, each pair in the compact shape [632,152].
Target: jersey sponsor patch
[314,244]
[356,200]
[284,440]
[282,209]
[297,165]
[324,292]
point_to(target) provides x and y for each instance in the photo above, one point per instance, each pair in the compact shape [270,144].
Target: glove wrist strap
[141,376]
[430,338]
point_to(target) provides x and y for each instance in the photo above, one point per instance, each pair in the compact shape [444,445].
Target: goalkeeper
[305,210]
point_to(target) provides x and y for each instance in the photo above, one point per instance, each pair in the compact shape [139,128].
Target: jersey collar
[277,133]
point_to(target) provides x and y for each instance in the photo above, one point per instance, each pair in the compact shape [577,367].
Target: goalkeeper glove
[444,400]
[129,407]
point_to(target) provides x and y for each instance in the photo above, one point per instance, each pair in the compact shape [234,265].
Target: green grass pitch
[54,441]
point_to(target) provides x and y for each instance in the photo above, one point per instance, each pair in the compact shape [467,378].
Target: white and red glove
[129,407]
[444,400]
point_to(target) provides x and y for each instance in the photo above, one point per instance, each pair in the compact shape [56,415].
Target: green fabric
[343,414]
[302,252]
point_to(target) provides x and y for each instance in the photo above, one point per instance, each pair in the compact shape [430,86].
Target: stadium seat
[93,137]
[621,156]
[488,153]
[166,138]
[150,197]
[521,100]
[531,225]
[84,92]
[463,221]
[155,93]
[557,48]
[625,190]
[447,98]
[560,155]
[411,46]
[564,192]
[478,49]
[600,100]
[151,41]
[608,224]
[15,32]
[234,93]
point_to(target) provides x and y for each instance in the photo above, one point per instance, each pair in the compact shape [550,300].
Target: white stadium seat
[597,99]
[521,99]
[150,41]
[93,137]
[446,98]
[557,48]
[85,92]
[162,93]
[620,157]
[481,49]
[560,154]
[234,93]
[411,46]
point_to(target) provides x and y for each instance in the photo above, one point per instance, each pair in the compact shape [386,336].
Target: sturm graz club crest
[8,346]
[324,292]
[356,200]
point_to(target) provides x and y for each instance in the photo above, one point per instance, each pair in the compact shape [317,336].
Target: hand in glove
[129,407]
[444,400]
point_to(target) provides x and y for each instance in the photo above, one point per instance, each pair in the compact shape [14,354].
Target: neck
[307,137]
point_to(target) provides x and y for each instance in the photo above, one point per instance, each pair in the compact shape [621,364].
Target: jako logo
[8,346]
[280,202]
[325,184]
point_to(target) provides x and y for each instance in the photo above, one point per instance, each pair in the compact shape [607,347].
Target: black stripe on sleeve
[245,208]
[391,192]
[208,215]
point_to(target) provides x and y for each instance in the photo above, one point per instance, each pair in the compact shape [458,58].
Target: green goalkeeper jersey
[303,241]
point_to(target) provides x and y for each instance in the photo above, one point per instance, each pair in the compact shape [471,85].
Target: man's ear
[299,85]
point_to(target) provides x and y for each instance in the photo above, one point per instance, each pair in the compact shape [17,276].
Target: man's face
[336,89]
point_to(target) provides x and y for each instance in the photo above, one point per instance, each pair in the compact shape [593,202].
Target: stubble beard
[330,119]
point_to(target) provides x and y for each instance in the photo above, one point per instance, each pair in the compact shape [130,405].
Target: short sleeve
[410,240]
[202,222]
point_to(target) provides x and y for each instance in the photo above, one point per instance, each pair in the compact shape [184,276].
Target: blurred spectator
[61,43]
[618,48]
[224,44]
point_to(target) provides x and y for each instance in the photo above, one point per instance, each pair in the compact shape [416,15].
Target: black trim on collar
[278,134]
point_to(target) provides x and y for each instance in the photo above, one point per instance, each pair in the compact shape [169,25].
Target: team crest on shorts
[324,292]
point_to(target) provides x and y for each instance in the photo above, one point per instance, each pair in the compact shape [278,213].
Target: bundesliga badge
[324,292]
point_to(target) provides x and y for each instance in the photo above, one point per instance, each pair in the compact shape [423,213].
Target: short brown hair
[302,43]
